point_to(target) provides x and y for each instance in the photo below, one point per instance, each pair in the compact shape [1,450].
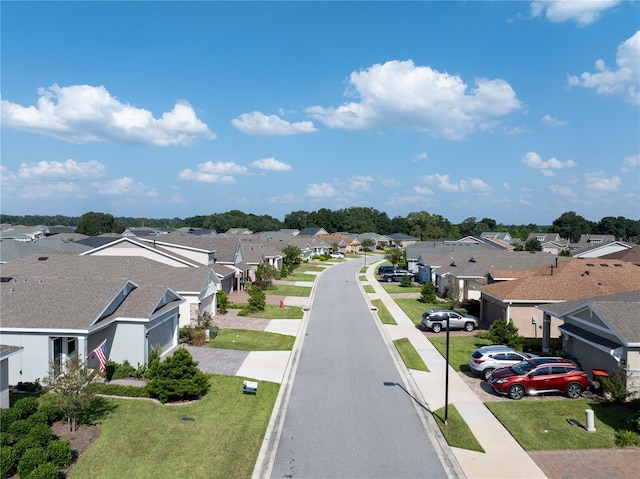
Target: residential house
[414,252]
[598,250]
[550,242]
[629,255]
[463,273]
[346,243]
[53,319]
[6,351]
[312,231]
[380,242]
[514,295]
[197,286]
[401,240]
[601,332]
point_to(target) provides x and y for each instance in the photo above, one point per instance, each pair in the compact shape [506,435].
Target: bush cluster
[177,378]
[28,444]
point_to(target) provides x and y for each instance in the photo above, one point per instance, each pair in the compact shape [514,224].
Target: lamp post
[446,379]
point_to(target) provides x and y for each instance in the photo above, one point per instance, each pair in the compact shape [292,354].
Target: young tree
[265,275]
[257,299]
[533,245]
[292,256]
[71,387]
[368,244]
[177,378]
[395,256]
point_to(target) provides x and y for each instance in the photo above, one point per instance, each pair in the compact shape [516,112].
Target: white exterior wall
[4,383]
[35,360]
[199,257]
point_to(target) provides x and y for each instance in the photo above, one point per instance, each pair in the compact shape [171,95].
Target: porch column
[546,332]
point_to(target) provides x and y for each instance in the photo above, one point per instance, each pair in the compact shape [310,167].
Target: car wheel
[574,390]
[468,327]
[487,373]
[516,392]
[436,328]
[389,279]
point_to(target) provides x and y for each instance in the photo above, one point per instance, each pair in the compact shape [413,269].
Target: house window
[63,349]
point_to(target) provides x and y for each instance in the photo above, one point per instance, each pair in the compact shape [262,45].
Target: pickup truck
[396,275]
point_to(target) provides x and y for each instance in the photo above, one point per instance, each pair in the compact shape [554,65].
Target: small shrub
[46,470]
[7,462]
[50,409]
[19,429]
[405,282]
[23,445]
[110,370]
[505,333]
[186,334]
[7,417]
[628,439]
[5,439]
[38,417]
[41,434]
[124,370]
[257,300]
[30,387]
[616,385]
[178,378]
[60,453]
[26,406]
[31,458]
[428,293]
[119,390]
[223,302]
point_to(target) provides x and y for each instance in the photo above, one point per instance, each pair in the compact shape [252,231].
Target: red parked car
[536,376]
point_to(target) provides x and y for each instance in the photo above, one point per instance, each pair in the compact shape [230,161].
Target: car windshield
[522,367]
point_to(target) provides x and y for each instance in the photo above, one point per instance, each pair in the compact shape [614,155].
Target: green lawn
[308,267]
[414,308]
[542,425]
[383,313]
[409,355]
[221,437]
[456,432]
[289,290]
[393,288]
[460,348]
[369,289]
[247,340]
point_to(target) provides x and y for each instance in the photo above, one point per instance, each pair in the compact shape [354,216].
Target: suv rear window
[476,354]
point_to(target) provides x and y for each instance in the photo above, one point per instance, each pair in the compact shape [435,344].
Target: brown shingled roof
[578,278]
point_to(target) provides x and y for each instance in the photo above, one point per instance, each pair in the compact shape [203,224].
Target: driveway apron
[350,414]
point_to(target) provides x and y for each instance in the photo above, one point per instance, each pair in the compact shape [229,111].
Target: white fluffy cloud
[535,161]
[210,172]
[443,182]
[560,190]
[601,182]
[270,164]
[581,12]
[631,162]
[256,123]
[322,190]
[124,186]
[624,81]
[62,169]
[85,113]
[419,157]
[552,121]
[400,94]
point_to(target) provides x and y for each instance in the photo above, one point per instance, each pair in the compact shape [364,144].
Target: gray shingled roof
[7,350]
[141,270]
[621,311]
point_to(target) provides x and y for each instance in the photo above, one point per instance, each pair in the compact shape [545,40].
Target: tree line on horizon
[355,220]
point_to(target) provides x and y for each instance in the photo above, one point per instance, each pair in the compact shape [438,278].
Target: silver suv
[436,320]
[487,358]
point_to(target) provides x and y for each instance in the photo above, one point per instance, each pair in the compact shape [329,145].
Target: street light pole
[446,379]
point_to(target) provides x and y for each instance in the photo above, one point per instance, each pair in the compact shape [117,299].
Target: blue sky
[516,111]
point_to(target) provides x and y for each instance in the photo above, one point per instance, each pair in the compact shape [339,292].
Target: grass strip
[271,311]
[456,432]
[383,313]
[310,278]
[409,355]
[248,340]
[544,424]
[369,289]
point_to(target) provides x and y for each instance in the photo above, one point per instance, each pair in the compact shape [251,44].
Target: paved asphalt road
[349,414]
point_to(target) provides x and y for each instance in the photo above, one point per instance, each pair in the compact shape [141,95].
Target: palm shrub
[177,378]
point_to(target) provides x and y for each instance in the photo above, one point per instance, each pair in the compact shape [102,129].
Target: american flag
[101,354]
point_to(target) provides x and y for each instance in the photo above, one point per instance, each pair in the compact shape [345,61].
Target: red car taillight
[478,361]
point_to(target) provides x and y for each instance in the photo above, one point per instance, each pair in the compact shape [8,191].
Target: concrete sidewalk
[503,456]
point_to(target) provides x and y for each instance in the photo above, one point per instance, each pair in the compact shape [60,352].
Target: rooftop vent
[472,260]
[43,258]
[604,265]
[590,264]
[5,279]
